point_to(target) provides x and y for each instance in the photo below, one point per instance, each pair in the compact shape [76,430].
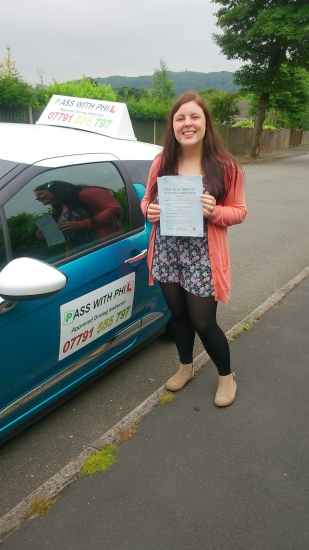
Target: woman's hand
[208,203]
[153,213]
[66,227]
[39,234]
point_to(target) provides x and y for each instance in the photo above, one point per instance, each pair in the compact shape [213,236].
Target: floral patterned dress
[78,239]
[184,260]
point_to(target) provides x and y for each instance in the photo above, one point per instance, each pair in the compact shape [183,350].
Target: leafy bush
[85,88]
[149,109]
[15,93]
[250,124]
[245,124]
[269,127]
[222,105]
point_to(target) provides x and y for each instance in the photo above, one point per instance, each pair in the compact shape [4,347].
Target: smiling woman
[194,272]
[189,124]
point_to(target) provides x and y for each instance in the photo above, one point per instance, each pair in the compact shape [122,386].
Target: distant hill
[186,80]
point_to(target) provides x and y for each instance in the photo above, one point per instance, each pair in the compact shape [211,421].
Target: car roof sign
[94,115]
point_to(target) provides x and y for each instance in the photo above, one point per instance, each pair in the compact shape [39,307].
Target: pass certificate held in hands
[181,206]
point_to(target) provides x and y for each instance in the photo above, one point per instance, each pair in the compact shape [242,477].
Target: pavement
[194,476]
[198,477]
[279,153]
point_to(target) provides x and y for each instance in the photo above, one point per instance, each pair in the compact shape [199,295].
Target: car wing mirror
[30,279]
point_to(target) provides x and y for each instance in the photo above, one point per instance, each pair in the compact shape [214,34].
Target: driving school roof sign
[101,117]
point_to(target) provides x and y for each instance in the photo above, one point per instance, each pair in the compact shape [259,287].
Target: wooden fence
[149,131]
[23,115]
[237,140]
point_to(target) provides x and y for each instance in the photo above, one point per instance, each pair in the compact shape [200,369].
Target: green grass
[39,507]
[100,461]
[166,398]
[248,326]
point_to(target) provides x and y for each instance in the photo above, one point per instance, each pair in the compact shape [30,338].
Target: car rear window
[6,166]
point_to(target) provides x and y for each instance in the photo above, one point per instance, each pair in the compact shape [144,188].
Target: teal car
[74,290]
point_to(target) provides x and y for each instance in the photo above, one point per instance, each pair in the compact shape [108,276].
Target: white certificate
[181,206]
[50,230]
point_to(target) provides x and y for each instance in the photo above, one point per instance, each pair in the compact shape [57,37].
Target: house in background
[243,106]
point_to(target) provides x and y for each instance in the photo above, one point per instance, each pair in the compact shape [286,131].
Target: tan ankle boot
[182,376]
[226,390]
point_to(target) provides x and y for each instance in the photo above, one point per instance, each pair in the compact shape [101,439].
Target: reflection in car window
[6,166]
[65,211]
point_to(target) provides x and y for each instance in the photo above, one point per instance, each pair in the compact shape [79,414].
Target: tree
[222,105]
[7,67]
[164,89]
[289,101]
[268,34]
[124,93]
[14,92]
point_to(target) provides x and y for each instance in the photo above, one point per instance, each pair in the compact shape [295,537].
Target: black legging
[192,314]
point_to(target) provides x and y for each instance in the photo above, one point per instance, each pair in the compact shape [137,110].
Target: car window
[2,249]
[138,170]
[67,210]
[6,166]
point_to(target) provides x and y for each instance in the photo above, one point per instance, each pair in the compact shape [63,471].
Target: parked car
[75,298]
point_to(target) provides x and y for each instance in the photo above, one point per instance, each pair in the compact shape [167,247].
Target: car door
[49,346]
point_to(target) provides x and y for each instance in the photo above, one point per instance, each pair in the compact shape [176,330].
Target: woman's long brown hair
[217,163]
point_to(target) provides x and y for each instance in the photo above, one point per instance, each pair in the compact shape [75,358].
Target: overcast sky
[66,39]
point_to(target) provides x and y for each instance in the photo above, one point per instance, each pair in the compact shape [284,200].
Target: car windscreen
[6,166]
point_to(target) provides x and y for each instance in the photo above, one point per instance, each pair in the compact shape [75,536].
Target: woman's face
[189,124]
[45,197]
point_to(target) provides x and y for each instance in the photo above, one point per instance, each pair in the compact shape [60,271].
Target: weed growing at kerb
[39,507]
[100,461]
[166,398]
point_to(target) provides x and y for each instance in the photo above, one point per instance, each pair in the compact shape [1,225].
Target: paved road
[195,477]
[268,250]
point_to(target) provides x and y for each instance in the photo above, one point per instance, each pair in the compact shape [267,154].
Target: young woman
[194,272]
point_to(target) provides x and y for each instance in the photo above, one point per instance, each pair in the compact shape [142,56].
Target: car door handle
[6,305]
[137,258]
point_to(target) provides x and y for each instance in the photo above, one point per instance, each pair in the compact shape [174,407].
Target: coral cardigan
[230,212]
[106,217]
